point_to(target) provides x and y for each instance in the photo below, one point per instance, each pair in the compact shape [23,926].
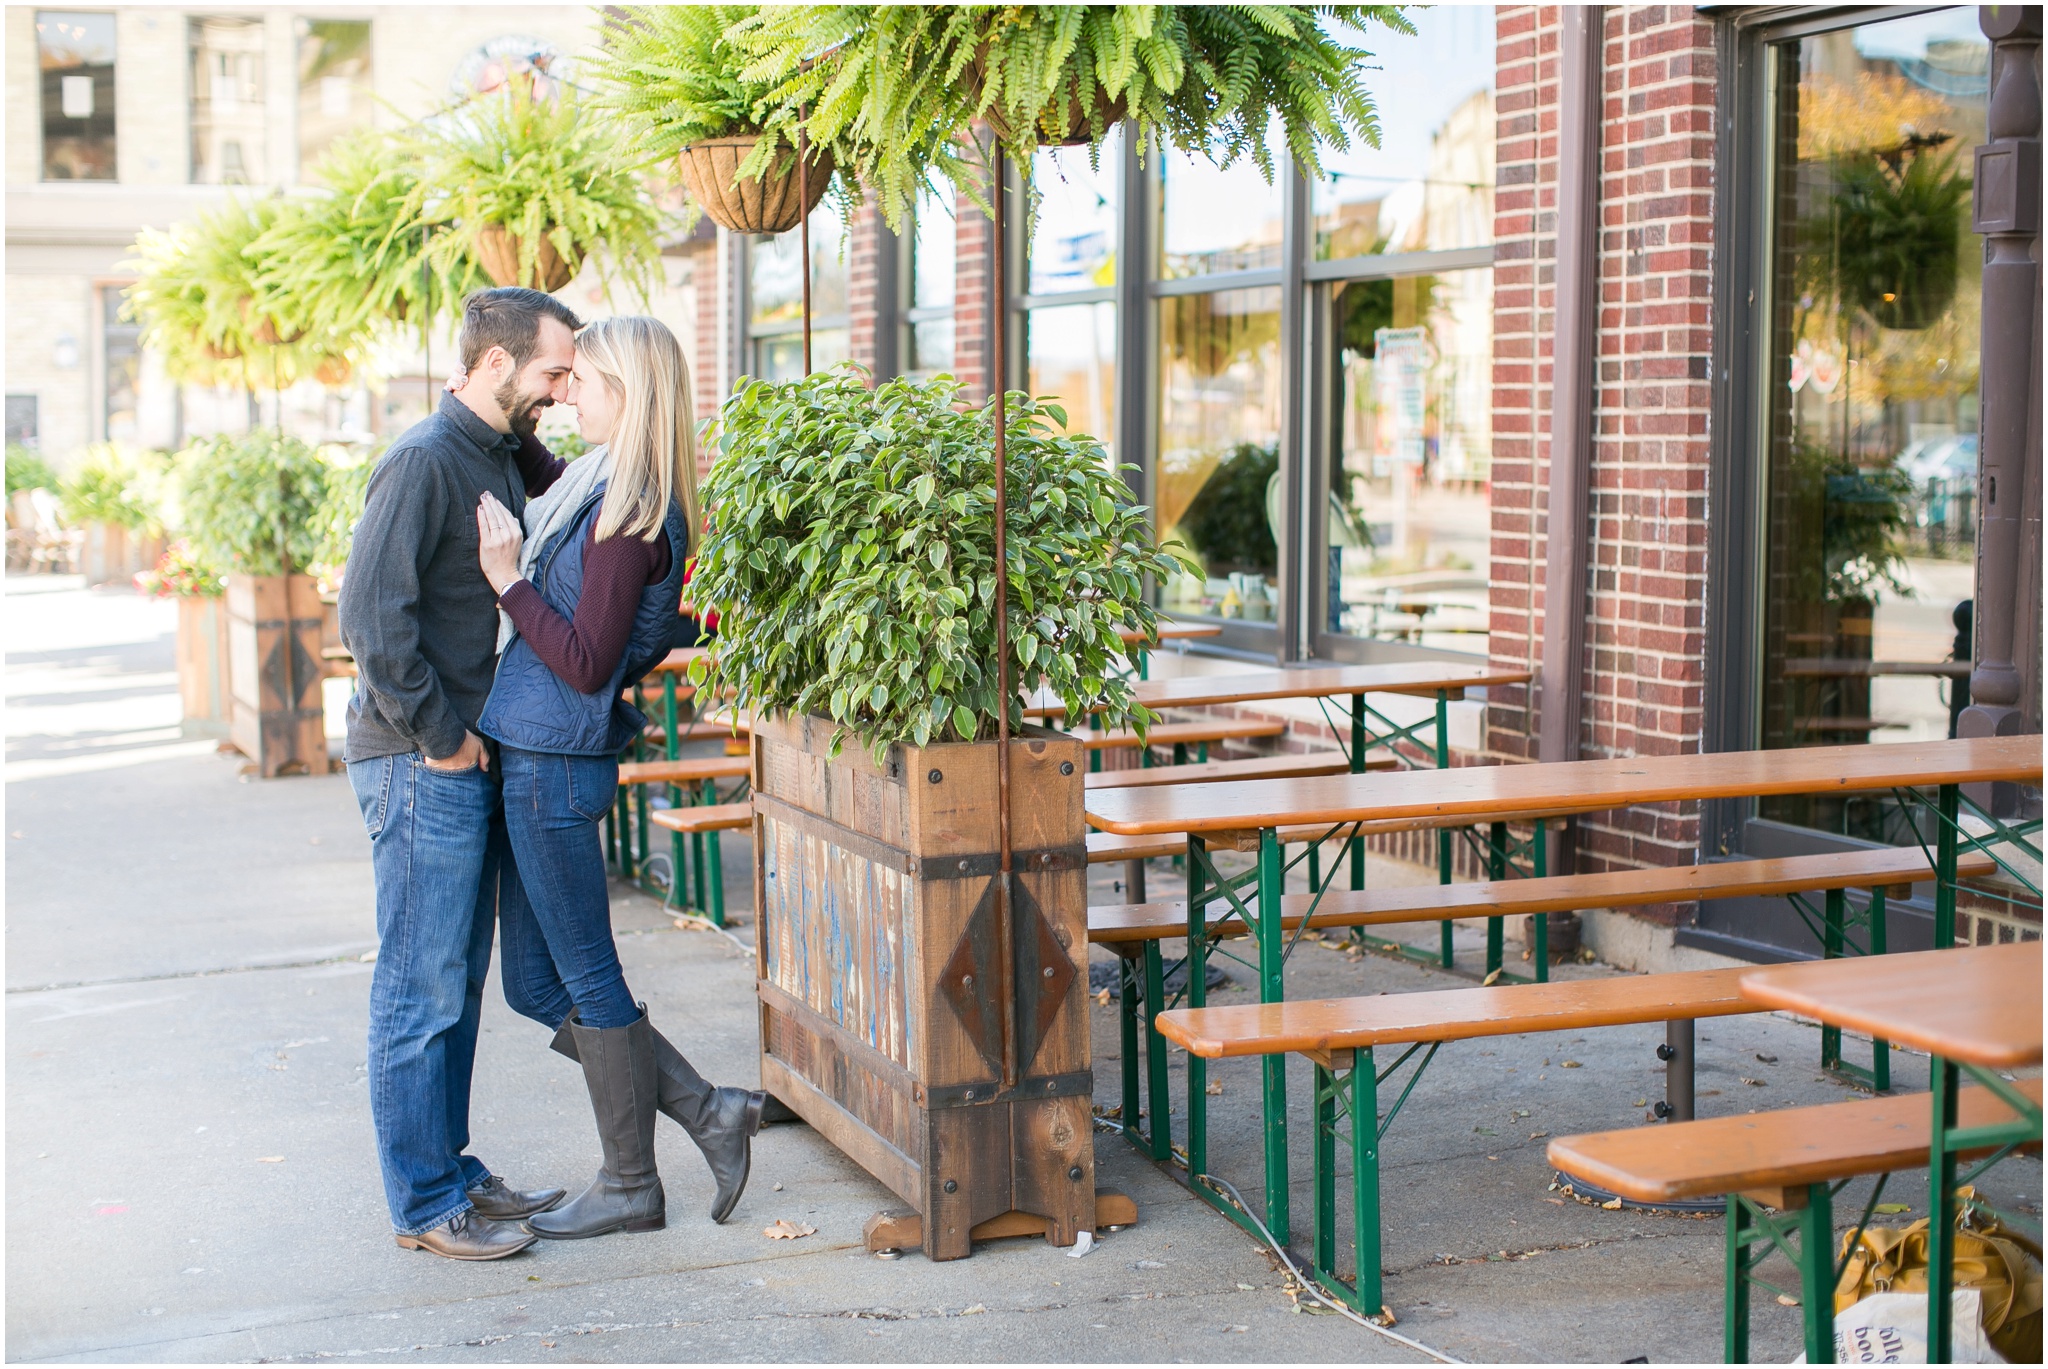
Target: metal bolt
[1665,1052]
[935,777]
[888,1254]
[1074,1173]
[953,1185]
[1066,767]
[1048,972]
[966,981]
[969,1096]
[963,866]
[1045,857]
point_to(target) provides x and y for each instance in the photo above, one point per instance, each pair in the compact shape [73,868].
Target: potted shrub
[529,186]
[252,507]
[114,497]
[204,669]
[675,85]
[895,88]
[1894,230]
[849,558]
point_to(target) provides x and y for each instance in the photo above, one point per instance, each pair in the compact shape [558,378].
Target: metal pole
[803,224]
[1004,931]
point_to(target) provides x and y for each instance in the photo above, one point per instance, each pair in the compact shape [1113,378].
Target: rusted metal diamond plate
[971,981]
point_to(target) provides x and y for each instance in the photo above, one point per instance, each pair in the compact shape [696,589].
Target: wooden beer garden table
[1168,632]
[1247,815]
[1975,1011]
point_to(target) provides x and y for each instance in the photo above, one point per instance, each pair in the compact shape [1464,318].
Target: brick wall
[972,298]
[1645,607]
[863,257]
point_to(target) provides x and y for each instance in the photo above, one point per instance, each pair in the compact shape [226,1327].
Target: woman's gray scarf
[549,514]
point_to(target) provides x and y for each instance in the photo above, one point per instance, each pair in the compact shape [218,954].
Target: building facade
[1645,352]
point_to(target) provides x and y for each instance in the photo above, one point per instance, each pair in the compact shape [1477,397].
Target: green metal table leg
[1539,940]
[1834,910]
[1272,866]
[1496,869]
[1941,1216]
[1817,1275]
[1323,1170]
[1735,1278]
[1945,881]
[1443,836]
[1197,996]
[1127,973]
[1158,1125]
[1358,768]
[1880,1050]
[1365,1182]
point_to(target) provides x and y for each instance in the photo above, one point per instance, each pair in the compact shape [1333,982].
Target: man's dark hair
[509,317]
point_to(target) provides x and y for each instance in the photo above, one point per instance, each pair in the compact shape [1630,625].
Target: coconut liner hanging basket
[768,205]
[498,250]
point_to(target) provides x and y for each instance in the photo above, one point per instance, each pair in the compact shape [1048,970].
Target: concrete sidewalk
[190,1172]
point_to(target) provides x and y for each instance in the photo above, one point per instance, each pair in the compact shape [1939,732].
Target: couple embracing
[497,601]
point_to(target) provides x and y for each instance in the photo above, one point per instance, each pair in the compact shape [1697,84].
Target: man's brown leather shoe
[470,1236]
[501,1202]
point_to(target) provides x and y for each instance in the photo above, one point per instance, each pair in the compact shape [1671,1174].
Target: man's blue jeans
[437,846]
[556,911]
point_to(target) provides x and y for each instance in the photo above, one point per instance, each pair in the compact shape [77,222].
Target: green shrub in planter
[26,470]
[253,499]
[851,560]
[116,485]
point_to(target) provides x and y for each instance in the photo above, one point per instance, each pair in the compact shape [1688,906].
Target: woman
[588,592]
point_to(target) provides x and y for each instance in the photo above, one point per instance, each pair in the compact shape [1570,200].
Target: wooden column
[2006,210]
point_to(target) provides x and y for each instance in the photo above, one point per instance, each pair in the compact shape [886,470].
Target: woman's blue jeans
[437,849]
[554,908]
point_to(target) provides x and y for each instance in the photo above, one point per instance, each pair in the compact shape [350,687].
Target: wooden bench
[1253,768]
[704,821]
[1180,736]
[1339,1037]
[689,770]
[1777,1170]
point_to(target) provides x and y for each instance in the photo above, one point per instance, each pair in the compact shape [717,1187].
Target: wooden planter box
[881,975]
[204,669]
[275,716]
[111,554]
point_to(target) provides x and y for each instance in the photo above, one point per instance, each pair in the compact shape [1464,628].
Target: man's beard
[522,411]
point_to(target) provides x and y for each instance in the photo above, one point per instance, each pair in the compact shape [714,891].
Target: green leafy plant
[1226,522]
[118,485]
[341,504]
[1888,241]
[542,170]
[851,559]
[254,501]
[895,88]
[181,574]
[26,470]
[355,259]
[1864,515]
[672,77]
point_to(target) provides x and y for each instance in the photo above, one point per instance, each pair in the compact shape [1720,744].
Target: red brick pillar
[973,298]
[863,256]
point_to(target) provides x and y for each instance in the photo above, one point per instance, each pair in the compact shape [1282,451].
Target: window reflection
[775,301]
[1876,290]
[1429,185]
[228,115]
[1218,476]
[1407,514]
[1071,355]
[334,82]
[934,255]
[1073,236]
[76,55]
[1215,219]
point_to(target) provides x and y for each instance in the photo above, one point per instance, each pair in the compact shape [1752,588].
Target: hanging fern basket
[768,205]
[498,251]
[1106,113]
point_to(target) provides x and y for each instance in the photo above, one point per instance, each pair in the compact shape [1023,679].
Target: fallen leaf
[368,957]
[1555,1202]
[1612,1204]
[1538,1135]
[1215,1086]
[1235,1330]
[1246,1288]
[1784,1301]
[1493,1157]
[1755,1082]
[547,1345]
[1490,977]
[1572,1065]
[973,1311]
[786,1230]
[1103,998]
[1642,1102]
[270,1159]
[1520,1113]
[778,1188]
[1892,1209]
[1767,1059]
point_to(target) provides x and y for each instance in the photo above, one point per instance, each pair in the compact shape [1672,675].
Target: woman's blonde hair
[654,446]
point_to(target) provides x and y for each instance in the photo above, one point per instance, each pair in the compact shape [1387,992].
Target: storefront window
[1407,511]
[1875,291]
[1073,235]
[76,55]
[1215,219]
[1072,360]
[1218,476]
[228,116]
[934,255]
[1428,186]
[775,300]
[334,82]
[122,338]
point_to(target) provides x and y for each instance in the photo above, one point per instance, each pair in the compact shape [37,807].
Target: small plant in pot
[253,506]
[675,86]
[530,185]
[204,665]
[117,496]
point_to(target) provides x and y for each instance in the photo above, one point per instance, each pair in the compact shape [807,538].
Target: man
[422,624]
